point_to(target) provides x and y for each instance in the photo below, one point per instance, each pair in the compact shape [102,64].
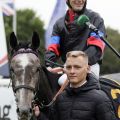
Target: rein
[42,106]
[56,64]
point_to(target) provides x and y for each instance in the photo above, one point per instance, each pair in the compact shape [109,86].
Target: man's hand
[50,56]
[36,110]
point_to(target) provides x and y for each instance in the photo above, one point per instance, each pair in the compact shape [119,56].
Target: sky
[108,9]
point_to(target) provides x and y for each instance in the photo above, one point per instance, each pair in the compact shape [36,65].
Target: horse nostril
[24,110]
[30,110]
[17,110]
[16,99]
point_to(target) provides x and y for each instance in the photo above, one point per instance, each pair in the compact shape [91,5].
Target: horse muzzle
[24,113]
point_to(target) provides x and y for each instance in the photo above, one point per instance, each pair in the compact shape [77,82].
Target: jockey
[67,36]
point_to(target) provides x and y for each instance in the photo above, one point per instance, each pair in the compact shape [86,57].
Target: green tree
[111,62]
[27,23]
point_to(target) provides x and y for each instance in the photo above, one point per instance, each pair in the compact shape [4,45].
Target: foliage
[27,22]
[111,62]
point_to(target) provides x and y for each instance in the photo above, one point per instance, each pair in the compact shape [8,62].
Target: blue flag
[58,12]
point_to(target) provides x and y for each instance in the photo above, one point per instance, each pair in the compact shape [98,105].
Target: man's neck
[79,85]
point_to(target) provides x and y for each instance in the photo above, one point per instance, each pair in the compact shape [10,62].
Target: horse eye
[33,70]
[11,70]
[37,69]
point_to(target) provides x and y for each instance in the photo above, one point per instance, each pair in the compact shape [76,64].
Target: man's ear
[64,69]
[88,69]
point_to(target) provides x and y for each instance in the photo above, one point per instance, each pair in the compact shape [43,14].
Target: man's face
[76,70]
[77,5]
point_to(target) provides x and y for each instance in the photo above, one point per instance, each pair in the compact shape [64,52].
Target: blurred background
[25,16]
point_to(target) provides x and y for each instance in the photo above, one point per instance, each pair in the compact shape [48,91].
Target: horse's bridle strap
[54,98]
[24,86]
[61,89]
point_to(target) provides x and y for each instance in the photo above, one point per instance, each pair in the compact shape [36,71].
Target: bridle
[15,88]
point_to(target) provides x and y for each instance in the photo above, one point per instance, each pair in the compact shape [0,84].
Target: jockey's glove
[51,56]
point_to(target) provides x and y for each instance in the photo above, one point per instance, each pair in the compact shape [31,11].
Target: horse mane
[52,78]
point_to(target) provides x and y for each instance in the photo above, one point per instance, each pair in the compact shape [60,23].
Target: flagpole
[14,19]
[4,67]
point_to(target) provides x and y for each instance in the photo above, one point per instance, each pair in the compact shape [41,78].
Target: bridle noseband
[23,86]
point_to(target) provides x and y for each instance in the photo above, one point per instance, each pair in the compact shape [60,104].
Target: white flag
[4,69]
[58,12]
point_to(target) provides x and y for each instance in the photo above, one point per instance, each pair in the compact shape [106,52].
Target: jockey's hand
[36,110]
[55,70]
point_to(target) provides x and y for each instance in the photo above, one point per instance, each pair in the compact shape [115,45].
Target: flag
[7,7]
[4,66]
[58,12]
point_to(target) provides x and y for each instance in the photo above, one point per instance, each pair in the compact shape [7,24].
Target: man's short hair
[76,54]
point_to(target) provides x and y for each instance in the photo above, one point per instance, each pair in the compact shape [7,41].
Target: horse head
[30,80]
[24,68]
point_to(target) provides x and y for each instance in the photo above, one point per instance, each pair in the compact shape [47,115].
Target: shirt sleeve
[55,40]
[95,40]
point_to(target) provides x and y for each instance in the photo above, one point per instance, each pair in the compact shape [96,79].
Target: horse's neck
[52,79]
[48,84]
[44,90]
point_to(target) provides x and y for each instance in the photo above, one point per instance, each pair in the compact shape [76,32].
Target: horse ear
[35,40]
[13,40]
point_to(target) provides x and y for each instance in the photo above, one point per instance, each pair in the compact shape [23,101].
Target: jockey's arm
[55,70]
